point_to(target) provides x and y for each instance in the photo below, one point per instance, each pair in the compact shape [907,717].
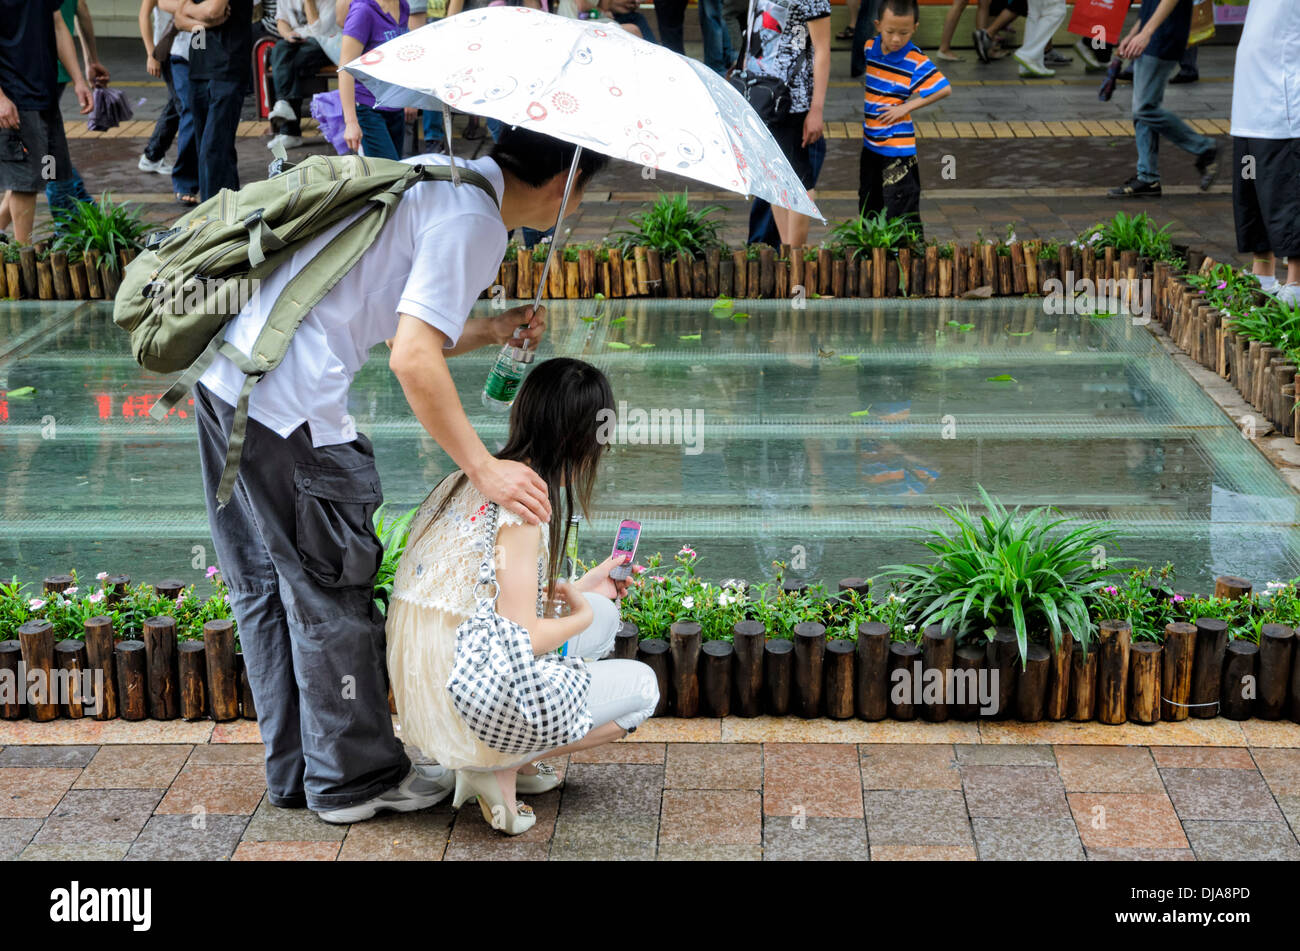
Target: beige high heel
[492,803]
[533,784]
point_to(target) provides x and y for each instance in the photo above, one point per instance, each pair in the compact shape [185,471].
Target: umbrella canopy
[591,84]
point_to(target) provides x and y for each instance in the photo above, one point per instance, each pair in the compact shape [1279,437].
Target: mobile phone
[629,534]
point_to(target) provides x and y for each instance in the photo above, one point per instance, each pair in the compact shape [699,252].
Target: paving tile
[99,815]
[815,838]
[76,852]
[811,779]
[677,730]
[621,752]
[14,836]
[152,731]
[286,852]
[1027,840]
[1242,841]
[473,838]
[916,817]
[1290,806]
[580,837]
[1220,794]
[613,789]
[1268,733]
[1014,792]
[1141,855]
[1127,820]
[31,792]
[273,824]
[188,838]
[399,836]
[1216,732]
[711,817]
[57,756]
[714,766]
[923,853]
[977,754]
[908,766]
[1210,757]
[236,731]
[683,852]
[1280,769]
[228,754]
[1125,769]
[799,730]
[220,790]
[133,767]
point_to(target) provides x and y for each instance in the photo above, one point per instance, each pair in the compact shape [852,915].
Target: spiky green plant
[393,534]
[105,226]
[670,225]
[858,236]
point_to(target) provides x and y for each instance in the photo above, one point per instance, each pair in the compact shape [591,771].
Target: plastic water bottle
[504,379]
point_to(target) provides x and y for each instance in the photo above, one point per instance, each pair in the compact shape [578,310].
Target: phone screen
[625,543]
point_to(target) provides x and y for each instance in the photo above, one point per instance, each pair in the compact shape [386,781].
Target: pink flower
[1222,285]
[659,578]
[102,576]
[212,570]
[97,597]
[689,552]
[35,604]
[72,590]
[638,569]
[1177,598]
[1111,590]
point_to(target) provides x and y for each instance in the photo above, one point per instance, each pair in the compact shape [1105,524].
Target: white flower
[895,598]
[909,628]
[102,576]
[97,597]
[72,590]
[35,604]
[688,602]
[725,599]
[1277,584]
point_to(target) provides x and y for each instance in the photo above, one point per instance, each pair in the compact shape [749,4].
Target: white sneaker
[162,166]
[282,110]
[1031,69]
[1289,294]
[1268,283]
[1087,54]
[288,141]
[424,786]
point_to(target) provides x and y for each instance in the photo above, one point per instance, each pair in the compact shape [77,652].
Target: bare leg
[1265,265]
[1293,270]
[599,736]
[950,25]
[797,230]
[22,206]
[5,218]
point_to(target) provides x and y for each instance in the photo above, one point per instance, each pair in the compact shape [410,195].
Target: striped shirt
[892,78]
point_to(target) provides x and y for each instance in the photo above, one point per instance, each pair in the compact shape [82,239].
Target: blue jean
[435,133]
[718,54]
[185,173]
[68,191]
[637,18]
[216,104]
[382,131]
[864,28]
[1151,120]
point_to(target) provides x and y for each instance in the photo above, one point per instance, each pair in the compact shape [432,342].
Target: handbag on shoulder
[768,96]
[513,700]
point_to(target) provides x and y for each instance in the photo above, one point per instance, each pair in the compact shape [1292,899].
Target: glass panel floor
[825,437]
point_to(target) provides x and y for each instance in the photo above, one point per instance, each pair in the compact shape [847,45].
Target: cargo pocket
[336,537]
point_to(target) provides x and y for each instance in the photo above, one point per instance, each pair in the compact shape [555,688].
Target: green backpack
[178,295]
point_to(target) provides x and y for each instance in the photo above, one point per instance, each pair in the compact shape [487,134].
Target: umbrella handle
[559,220]
[446,135]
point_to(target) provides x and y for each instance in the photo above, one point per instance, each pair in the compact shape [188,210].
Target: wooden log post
[891,277]
[110,277]
[864,277]
[159,636]
[838,689]
[586,273]
[625,641]
[1230,586]
[879,272]
[631,282]
[642,262]
[1058,678]
[960,270]
[873,671]
[1083,683]
[1176,671]
[169,588]
[1144,682]
[825,266]
[943,282]
[684,641]
[713,263]
[904,657]
[132,679]
[715,665]
[653,652]
[778,668]
[70,658]
[1207,667]
[14,280]
[99,661]
[1003,663]
[1019,276]
[809,657]
[740,265]
[1276,649]
[937,648]
[747,661]
[56,584]
[27,264]
[1005,277]
[248,706]
[989,267]
[700,278]
[1113,641]
[616,287]
[752,278]
[1239,687]
[727,278]
[12,704]
[61,278]
[1031,685]
[116,588]
[766,271]
[37,641]
[969,660]
[192,666]
[92,275]
[670,285]
[223,677]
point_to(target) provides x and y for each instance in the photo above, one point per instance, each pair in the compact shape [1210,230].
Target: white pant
[1045,18]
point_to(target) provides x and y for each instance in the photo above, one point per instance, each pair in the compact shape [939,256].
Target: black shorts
[35,153]
[1266,195]
[789,136]
[1018,7]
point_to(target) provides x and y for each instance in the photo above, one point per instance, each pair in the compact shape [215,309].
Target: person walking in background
[950,27]
[864,28]
[378,133]
[220,76]
[1156,45]
[671,17]
[889,177]
[1266,145]
[294,58]
[64,193]
[762,224]
[154,26]
[185,173]
[718,51]
[1043,20]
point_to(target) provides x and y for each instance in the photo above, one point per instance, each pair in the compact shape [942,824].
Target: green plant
[670,225]
[1002,251]
[810,254]
[393,535]
[1029,570]
[858,236]
[12,251]
[1137,233]
[1049,251]
[104,226]
[946,251]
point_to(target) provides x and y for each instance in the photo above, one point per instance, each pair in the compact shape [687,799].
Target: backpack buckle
[153,288]
[156,239]
[253,219]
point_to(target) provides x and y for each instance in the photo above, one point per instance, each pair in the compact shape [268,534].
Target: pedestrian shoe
[1184,76]
[162,166]
[288,141]
[491,802]
[983,44]
[1053,58]
[1088,55]
[1289,294]
[1269,284]
[282,110]
[424,786]
[1208,165]
[1135,188]
[1032,70]
[544,780]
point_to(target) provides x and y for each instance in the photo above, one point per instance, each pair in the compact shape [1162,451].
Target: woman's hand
[598,581]
[579,610]
[352,135]
[152,66]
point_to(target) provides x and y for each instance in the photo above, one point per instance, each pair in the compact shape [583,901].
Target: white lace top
[432,595]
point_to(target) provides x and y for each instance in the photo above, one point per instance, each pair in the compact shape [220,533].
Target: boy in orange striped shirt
[897,70]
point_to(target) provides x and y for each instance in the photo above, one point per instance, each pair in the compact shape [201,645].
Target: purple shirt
[371,26]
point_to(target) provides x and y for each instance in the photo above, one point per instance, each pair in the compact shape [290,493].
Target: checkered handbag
[514,701]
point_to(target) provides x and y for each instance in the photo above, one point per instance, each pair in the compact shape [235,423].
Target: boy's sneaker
[1032,70]
[1135,188]
[424,786]
[983,44]
[1289,294]
[1053,58]
[1207,163]
[282,110]
[1088,55]
[162,166]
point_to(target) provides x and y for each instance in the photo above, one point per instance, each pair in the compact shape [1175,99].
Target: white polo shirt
[441,248]
[1266,78]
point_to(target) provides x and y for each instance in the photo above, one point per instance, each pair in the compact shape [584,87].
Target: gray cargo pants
[298,552]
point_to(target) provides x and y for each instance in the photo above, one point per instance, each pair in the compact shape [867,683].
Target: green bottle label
[503,381]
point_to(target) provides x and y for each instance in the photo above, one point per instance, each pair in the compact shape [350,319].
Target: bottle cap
[522,355]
